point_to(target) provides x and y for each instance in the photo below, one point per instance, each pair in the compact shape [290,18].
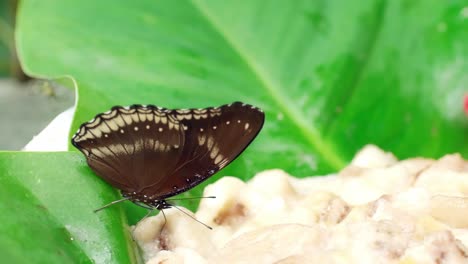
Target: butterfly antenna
[176,207]
[190,198]
[112,203]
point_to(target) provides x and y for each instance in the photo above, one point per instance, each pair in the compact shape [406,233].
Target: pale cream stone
[370,156]
[271,244]
[376,210]
[451,210]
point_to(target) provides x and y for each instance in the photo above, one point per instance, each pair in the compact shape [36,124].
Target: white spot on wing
[112,125]
[85,152]
[119,121]
[128,120]
[139,145]
[218,159]
[150,117]
[162,147]
[156,145]
[210,142]
[214,152]
[103,127]
[101,152]
[201,139]
[135,117]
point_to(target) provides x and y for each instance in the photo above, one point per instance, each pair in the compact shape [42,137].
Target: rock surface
[376,210]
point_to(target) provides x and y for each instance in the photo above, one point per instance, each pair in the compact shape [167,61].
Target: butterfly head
[146,201]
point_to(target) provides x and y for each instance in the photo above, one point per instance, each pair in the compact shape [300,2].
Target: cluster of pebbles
[376,210]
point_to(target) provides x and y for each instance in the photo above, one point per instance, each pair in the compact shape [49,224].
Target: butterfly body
[151,153]
[147,201]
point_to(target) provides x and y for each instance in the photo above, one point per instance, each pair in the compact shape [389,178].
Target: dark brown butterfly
[152,153]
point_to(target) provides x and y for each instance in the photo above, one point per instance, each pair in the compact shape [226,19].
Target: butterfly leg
[150,210]
[165,221]
[160,206]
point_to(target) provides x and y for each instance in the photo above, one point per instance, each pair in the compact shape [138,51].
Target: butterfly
[151,153]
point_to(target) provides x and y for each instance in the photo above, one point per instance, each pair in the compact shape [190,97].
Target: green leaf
[6,37]
[331,75]
[47,202]
[409,96]
[32,220]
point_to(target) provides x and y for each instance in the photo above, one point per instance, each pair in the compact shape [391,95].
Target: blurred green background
[331,76]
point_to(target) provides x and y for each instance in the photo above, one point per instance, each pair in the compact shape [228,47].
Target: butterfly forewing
[132,148]
[214,137]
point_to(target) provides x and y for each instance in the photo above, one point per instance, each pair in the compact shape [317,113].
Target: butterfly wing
[132,148]
[214,137]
